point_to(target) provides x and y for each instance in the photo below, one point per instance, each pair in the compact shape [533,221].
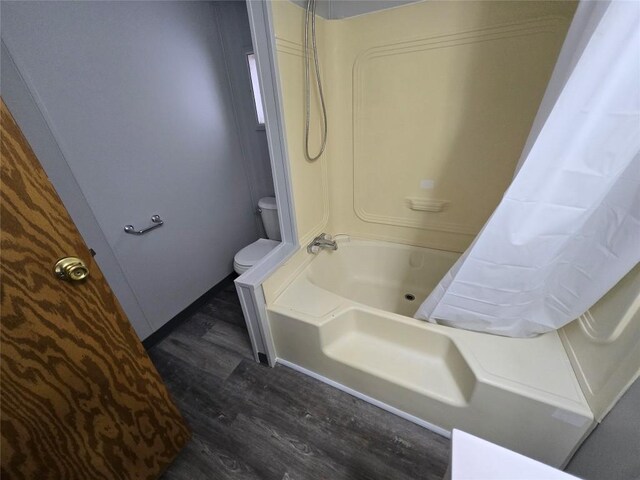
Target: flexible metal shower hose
[311,11]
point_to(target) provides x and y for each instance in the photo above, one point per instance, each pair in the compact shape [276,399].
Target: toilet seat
[251,254]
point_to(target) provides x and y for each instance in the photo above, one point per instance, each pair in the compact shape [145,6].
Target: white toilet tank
[269,213]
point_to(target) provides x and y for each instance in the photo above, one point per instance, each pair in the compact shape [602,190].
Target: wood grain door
[80,397]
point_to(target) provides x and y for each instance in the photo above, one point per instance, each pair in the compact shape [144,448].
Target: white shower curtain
[568,227]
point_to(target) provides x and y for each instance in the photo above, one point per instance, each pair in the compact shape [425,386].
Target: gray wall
[25,110]
[138,99]
[612,451]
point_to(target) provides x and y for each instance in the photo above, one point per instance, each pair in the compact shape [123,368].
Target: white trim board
[263,39]
[251,295]
[413,419]
[249,284]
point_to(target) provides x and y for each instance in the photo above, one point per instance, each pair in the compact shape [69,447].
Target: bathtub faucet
[323,240]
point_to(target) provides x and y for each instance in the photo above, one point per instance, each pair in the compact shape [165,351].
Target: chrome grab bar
[155,219]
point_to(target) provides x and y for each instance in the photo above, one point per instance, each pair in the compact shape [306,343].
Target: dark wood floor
[250,421]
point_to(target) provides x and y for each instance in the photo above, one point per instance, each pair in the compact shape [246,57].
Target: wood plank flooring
[250,421]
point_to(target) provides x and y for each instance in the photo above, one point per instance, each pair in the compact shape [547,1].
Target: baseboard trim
[159,335]
[367,398]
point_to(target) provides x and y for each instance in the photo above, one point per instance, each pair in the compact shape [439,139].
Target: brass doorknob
[71,269]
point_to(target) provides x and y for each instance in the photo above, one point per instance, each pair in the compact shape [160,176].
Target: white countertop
[473,458]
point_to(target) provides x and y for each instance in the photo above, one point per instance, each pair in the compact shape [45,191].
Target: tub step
[431,365]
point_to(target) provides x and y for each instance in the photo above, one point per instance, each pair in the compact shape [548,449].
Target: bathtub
[344,317]
[386,276]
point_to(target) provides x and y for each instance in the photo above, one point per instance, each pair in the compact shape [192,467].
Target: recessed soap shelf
[426,205]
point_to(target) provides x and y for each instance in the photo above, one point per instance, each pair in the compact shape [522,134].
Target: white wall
[138,99]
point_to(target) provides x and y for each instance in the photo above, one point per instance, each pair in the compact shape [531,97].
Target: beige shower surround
[458,84]
[429,107]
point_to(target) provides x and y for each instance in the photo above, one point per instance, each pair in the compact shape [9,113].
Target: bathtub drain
[409,297]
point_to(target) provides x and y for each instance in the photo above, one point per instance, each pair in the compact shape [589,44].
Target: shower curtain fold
[568,227]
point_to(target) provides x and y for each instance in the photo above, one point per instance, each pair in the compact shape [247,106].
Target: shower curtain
[568,227]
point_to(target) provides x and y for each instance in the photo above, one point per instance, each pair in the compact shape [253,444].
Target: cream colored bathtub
[388,276]
[344,317]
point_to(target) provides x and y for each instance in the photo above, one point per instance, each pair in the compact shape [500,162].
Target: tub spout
[324,240]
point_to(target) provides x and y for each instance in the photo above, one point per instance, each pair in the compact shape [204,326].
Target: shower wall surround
[310,179]
[429,107]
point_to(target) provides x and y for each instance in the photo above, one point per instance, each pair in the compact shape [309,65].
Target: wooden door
[80,397]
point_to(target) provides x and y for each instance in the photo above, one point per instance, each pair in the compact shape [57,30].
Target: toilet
[251,254]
